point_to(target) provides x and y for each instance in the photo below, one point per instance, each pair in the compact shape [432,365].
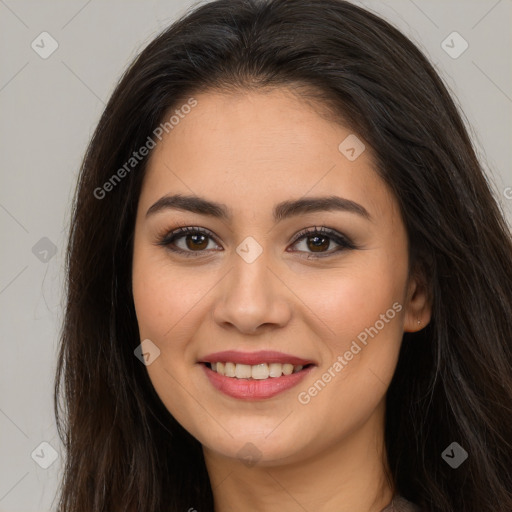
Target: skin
[251,151]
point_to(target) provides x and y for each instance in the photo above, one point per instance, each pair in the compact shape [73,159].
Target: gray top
[399,504]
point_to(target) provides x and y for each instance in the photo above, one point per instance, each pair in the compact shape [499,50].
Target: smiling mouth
[261,371]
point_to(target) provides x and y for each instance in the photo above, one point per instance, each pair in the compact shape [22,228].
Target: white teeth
[287,369]
[243,371]
[229,370]
[258,371]
[275,369]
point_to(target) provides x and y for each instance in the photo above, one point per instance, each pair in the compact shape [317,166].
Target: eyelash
[344,243]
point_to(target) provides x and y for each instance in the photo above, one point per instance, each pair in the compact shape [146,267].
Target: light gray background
[49,108]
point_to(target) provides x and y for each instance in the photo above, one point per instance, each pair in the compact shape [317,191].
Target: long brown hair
[453,380]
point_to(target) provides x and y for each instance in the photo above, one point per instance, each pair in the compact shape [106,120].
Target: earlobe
[418,308]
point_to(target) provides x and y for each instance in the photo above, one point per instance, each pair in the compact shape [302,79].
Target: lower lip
[254,389]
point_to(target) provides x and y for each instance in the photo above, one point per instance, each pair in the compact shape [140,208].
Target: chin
[263,444]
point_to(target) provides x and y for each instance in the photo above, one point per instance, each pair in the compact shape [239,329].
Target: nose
[252,298]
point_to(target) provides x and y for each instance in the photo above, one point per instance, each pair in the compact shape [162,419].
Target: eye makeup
[314,237]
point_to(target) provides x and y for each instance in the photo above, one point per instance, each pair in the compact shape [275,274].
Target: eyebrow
[283,210]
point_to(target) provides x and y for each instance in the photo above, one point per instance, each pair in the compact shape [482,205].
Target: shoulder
[400,504]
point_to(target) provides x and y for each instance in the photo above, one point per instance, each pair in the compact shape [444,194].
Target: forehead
[253,148]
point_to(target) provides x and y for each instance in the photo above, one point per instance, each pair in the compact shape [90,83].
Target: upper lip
[253,358]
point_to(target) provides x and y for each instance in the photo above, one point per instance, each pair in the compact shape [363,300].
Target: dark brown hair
[453,380]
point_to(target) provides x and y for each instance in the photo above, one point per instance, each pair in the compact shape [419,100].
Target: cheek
[153,303]
[363,308]
[344,302]
[364,312]
[166,304]
[164,295]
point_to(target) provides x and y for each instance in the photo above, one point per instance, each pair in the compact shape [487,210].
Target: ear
[418,306]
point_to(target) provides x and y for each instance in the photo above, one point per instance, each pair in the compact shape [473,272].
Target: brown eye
[196,241]
[191,241]
[187,241]
[318,243]
[319,239]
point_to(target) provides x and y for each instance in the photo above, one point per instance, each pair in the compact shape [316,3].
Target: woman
[289,285]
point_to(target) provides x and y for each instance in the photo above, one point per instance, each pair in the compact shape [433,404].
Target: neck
[351,475]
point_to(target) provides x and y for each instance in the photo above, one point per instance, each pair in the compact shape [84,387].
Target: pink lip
[252,358]
[252,389]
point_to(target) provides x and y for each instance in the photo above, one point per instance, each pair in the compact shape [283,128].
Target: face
[276,284]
